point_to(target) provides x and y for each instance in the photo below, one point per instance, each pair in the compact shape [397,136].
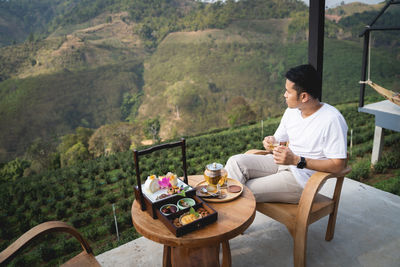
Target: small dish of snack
[168,209]
[190,216]
[185,203]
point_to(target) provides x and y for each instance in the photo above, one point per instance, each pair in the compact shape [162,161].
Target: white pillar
[377,145]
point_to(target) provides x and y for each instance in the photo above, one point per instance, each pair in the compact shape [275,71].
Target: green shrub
[360,170]
[391,185]
[93,234]
[78,206]
[81,197]
[127,191]
[362,149]
[61,213]
[81,219]
[47,252]
[111,197]
[70,245]
[103,211]
[69,213]
[102,231]
[27,259]
[125,204]
[95,202]
[108,178]
[77,220]
[68,203]
[111,227]
[389,160]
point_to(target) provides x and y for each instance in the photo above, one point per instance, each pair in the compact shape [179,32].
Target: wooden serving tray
[167,220]
[229,196]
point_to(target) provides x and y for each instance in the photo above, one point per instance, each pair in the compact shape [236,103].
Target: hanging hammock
[394,97]
[388,94]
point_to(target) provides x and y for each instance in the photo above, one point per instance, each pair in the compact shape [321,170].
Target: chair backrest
[136,155]
[86,257]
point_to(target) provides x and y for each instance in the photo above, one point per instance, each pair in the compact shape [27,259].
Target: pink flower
[164,182]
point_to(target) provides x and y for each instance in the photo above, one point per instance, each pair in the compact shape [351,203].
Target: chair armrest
[257,152]
[38,231]
[311,189]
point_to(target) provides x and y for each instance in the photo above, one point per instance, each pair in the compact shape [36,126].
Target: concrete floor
[367,234]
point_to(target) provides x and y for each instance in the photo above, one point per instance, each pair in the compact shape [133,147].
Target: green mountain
[201,80]
[354,17]
[70,79]
[23,19]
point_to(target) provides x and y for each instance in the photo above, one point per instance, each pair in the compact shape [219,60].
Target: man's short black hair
[305,79]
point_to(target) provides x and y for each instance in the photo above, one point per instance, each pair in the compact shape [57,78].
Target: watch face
[302,163]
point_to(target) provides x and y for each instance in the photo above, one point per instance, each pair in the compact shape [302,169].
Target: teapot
[215,174]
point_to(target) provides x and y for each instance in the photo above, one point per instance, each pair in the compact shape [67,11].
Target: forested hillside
[21,19]
[234,75]
[354,17]
[94,36]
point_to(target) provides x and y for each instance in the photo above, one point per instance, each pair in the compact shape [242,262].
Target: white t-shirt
[321,135]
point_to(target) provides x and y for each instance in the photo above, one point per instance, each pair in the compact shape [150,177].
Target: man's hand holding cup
[270,143]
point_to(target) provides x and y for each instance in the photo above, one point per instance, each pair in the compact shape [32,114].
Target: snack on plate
[175,190]
[173,178]
[234,189]
[151,184]
[162,196]
[188,218]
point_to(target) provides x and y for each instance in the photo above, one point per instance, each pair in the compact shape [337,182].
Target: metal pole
[115,220]
[316,37]
[262,130]
[139,183]
[351,142]
[364,68]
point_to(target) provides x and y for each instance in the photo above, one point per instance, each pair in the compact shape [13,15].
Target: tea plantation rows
[82,195]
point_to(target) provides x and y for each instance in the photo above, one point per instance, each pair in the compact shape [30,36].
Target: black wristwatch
[302,163]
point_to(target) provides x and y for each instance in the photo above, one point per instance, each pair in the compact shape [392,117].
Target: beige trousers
[268,181]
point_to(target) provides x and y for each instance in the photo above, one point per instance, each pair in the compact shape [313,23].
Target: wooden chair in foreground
[311,207]
[85,258]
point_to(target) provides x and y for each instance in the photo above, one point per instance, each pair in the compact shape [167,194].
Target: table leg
[201,256]
[226,254]
[167,256]
[377,145]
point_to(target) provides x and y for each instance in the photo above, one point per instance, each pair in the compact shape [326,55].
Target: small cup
[272,146]
[185,203]
[169,209]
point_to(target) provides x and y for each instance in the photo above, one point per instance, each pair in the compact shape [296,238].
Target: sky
[330,3]
[334,3]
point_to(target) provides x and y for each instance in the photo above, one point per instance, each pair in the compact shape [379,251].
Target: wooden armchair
[311,207]
[85,258]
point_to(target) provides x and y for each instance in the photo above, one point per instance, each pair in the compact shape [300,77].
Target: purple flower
[164,182]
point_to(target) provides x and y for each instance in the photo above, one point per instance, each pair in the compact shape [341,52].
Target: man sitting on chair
[316,134]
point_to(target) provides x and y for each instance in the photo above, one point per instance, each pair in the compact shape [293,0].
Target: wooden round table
[201,247]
